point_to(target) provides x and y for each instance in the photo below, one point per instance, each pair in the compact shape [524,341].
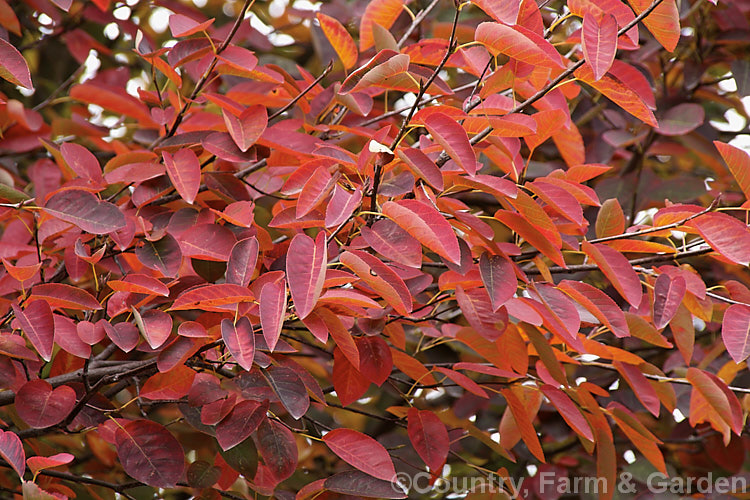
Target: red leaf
[362,452]
[38,324]
[212,296]
[340,39]
[421,165]
[508,40]
[290,389]
[499,278]
[240,423]
[425,223]
[348,382]
[642,388]
[306,269]
[184,171]
[82,161]
[63,296]
[13,66]
[387,238]
[381,12]
[181,25]
[725,234]
[155,325]
[617,269]
[524,420]
[735,331]
[663,22]
[384,66]
[568,411]
[380,277]
[139,283]
[278,448]
[317,187]
[375,360]
[476,306]
[429,437]
[622,95]
[240,340]
[124,335]
[247,128]
[738,162]
[85,211]
[342,205]
[681,119]
[500,11]
[242,260]
[150,454]
[529,233]
[208,242]
[452,136]
[463,381]
[340,334]
[598,304]
[40,406]
[358,484]
[11,450]
[40,463]
[272,308]
[599,38]
[172,384]
[610,220]
[163,255]
[668,294]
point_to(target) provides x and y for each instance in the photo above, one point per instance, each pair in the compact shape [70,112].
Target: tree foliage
[291,249]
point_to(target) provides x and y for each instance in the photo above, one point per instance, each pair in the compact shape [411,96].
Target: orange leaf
[340,39]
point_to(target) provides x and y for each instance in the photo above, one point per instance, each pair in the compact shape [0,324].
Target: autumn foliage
[286,249]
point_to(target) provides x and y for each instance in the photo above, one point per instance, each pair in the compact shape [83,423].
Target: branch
[302,94]
[416,22]
[204,78]
[547,88]
[113,373]
[643,260]
[660,378]
[656,229]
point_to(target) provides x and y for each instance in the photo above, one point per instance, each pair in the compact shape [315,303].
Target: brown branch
[303,93]
[114,373]
[417,21]
[204,78]
[643,260]
[551,85]
[656,229]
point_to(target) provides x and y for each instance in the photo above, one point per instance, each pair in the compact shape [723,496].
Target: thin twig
[302,94]
[551,85]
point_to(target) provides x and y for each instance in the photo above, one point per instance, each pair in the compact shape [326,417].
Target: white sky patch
[678,416]
[614,385]
[135,83]
[588,357]
[495,436]
[112,31]
[277,7]
[629,456]
[159,19]
[122,13]
[307,5]
[45,20]
[581,380]
[531,469]
[734,121]
[200,3]
[90,66]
